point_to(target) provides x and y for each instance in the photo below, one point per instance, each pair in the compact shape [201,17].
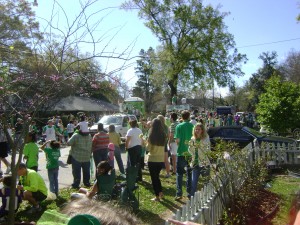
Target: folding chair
[106,185]
[129,188]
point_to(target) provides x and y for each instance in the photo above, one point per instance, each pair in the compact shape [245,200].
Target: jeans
[76,171]
[53,180]
[154,170]
[180,169]
[196,172]
[119,159]
[99,156]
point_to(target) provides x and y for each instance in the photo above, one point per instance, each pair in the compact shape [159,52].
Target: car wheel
[296,134]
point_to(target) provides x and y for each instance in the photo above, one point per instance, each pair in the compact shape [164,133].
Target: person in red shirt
[99,145]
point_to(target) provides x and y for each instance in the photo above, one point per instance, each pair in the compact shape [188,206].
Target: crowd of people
[162,143]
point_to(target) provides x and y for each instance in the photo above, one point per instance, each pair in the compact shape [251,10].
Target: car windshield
[107,120]
[253,132]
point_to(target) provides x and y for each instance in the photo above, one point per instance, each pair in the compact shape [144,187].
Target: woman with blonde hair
[199,147]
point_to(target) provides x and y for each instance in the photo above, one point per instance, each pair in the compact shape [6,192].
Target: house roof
[133,99]
[74,103]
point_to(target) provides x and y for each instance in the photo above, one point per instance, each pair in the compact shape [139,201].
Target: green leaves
[195,38]
[279,107]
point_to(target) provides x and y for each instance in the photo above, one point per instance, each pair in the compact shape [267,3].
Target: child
[115,138]
[103,168]
[111,154]
[83,125]
[5,195]
[52,155]
[31,152]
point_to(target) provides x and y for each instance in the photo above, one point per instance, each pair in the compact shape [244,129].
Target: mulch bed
[263,208]
[260,211]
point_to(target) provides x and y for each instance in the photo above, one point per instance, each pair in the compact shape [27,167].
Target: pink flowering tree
[37,68]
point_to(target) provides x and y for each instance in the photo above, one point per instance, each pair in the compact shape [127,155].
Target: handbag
[69,160]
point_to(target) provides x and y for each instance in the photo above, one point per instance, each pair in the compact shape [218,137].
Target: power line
[268,43]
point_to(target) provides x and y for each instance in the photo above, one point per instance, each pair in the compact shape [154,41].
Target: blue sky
[257,25]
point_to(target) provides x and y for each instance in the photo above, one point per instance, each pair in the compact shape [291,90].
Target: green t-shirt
[183,132]
[52,155]
[31,151]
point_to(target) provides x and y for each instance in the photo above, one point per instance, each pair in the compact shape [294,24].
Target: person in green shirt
[31,152]
[33,185]
[183,134]
[52,156]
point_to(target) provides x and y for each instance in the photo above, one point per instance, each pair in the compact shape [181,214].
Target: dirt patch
[263,208]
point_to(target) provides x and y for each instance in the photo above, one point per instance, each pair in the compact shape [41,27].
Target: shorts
[39,196]
[173,148]
[3,149]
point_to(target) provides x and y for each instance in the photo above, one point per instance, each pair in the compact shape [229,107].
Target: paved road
[65,177]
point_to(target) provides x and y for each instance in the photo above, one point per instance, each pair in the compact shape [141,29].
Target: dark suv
[243,136]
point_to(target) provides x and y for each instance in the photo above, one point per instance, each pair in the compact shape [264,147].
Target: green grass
[285,187]
[149,212]
[155,213]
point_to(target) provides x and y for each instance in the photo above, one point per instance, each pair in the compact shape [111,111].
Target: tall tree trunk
[172,82]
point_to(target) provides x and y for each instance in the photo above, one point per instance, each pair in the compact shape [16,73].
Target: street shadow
[62,164]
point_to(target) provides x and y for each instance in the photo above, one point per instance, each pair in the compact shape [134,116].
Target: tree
[194,39]
[279,106]
[35,69]
[145,87]
[257,80]
[239,96]
[290,68]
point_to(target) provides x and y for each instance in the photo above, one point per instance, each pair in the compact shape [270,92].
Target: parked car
[243,136]
[119,120]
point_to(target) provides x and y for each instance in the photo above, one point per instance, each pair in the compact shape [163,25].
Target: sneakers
[34,209]
[8,169]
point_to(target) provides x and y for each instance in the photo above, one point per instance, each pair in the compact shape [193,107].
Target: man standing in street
[183,134]
[81,148]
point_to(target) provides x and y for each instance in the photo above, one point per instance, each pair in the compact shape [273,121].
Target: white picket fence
[206,206]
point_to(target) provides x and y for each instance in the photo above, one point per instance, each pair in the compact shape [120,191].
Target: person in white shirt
[193,121]
[133,145]
[83,125]
[70,128]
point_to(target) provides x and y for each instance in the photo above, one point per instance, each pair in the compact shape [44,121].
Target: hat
[111,146]
[84,219]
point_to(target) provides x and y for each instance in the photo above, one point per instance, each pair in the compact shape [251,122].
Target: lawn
[149,212]
[285,186]
[155,213]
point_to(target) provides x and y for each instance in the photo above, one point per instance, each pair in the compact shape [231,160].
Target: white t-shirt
[50,133]
[70,128]
[134,133]
[84,126]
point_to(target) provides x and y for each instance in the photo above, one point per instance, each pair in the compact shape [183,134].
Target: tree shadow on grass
[145,216]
